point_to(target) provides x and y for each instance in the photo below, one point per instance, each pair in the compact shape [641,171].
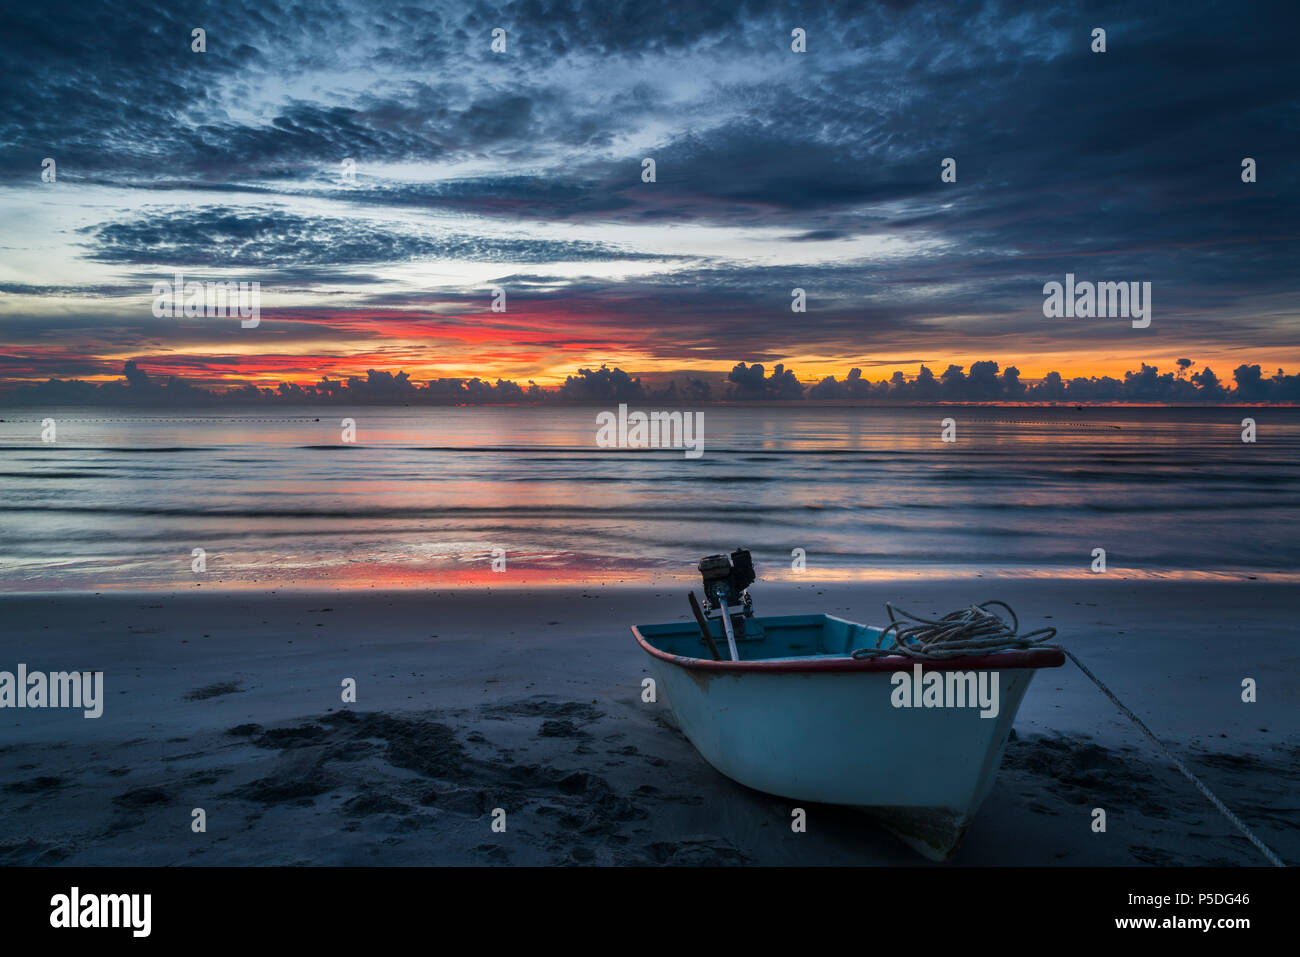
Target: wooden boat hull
[823,727]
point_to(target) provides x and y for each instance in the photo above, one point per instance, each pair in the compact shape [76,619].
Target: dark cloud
[752,382]
[276,237]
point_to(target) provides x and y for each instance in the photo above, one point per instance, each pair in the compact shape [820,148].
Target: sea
[446,497]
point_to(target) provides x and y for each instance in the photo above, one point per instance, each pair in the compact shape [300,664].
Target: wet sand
[529,701]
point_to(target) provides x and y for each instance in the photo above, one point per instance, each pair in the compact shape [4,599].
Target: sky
[523,169]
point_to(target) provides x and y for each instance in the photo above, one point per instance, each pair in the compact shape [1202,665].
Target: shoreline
[525,579]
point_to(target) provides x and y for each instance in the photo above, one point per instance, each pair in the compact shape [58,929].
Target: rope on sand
[976,630]
[1200,785]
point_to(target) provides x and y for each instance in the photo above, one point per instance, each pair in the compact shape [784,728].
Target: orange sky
[545,344]
[547,369]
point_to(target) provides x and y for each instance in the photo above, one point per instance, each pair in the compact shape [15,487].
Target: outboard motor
[726,580]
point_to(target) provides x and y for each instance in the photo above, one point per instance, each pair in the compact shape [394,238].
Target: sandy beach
[529,701]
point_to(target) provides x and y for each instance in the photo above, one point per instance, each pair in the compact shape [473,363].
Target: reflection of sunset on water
[423,497]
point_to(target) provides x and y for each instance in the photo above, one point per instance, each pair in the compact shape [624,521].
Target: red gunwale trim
[1002,661]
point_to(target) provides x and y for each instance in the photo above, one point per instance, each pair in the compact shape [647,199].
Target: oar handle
[704,625]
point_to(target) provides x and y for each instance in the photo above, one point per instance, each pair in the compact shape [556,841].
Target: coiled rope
[976,630]
[970,631]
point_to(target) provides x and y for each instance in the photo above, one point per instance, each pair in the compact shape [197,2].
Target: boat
[793,712]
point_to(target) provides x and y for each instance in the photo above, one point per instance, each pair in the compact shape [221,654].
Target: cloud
[274,237]
[605,386]
[775,169]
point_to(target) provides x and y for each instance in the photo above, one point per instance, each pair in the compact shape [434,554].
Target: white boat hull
[836,737]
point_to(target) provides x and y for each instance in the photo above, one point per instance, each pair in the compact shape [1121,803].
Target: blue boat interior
[775,638]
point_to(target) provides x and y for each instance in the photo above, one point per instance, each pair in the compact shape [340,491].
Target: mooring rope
[1237,822]
[976,630]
